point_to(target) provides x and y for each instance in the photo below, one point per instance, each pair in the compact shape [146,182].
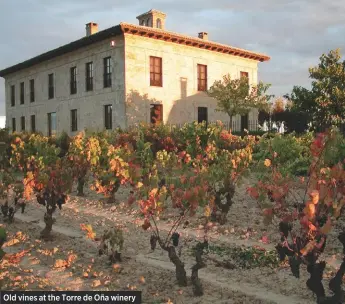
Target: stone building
[121,76]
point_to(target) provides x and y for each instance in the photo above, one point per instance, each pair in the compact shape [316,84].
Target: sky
[293,33]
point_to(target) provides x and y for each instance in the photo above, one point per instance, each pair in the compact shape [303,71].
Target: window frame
[73,80]
[244,74]
[51,132]
[203,110]
[153,72]
[159,108]
[107,72]
[108,117]
[22,93]
[14,125]
[32,90]
[202,87]
[22,124]
[74,120]
[89,76]
[13,95]
[33,123]
[51,93]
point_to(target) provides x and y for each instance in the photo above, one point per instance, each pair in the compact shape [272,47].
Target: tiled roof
[128,28]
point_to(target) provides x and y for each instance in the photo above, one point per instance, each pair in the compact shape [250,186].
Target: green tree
[324,103]
[237,97]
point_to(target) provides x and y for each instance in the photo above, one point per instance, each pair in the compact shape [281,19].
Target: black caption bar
[70,297]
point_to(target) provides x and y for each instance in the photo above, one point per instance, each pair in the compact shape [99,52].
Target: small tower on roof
[152,18]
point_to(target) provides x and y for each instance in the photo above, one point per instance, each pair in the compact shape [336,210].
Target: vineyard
[188,215]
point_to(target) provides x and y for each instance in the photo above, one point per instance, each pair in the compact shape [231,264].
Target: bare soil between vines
[150,272]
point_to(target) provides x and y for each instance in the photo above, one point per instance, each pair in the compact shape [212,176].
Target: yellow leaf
[314,195]
[267,162]
[309,210]
[153,192]
[11,243]
[71,258]
[326,228]
[60,263]
[207,211]
[308,247]
[96,283]
[139,185]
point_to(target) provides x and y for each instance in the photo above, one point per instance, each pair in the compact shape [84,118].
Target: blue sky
[294,33]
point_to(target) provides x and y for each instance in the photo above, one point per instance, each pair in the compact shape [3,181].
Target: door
[156,114]
[202,114]
[244,122]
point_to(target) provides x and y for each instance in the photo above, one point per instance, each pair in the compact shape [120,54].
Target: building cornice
[144,31]
[168,36]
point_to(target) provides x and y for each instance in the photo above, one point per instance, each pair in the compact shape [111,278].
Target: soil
[43,267]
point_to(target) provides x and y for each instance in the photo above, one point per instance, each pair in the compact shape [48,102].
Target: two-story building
[121,76]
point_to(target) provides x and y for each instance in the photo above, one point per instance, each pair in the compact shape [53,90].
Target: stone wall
[179,94]
[89,105]
[131,92]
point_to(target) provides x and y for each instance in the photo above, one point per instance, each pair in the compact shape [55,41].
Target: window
[244,74]
[73,80]
[156,72]
[202,114]
[13,125]
[89,76]
[74,120]
[159,23]
[13,96]
[51,124]
[22,123]
[22,92]
[32,90]
[107,72]
[156,114]
[51,86]
[33,123]
[202,77]
[108,117]
[244,122]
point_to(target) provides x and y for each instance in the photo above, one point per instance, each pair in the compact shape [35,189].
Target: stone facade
[89,105]
[179,94]
[130,95]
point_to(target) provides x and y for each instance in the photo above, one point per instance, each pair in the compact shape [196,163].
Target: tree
[234,96]
[325,102]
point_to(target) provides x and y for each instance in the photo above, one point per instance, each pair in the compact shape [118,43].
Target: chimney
[203,35]
[91,28]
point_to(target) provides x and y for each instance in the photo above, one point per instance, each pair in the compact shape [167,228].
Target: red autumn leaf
[146,224]
[265,239]
[268,211]
[253,192]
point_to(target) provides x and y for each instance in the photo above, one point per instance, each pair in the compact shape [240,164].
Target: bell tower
[152,18]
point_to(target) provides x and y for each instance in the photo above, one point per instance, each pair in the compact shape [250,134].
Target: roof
[160,34]
[70,47]
[144,31]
